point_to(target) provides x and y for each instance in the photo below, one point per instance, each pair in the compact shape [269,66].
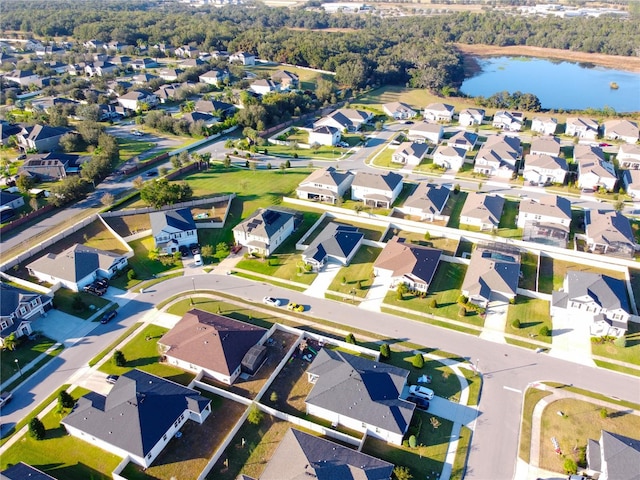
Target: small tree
[456,188]
[119,359]
[412,441]
[138,183]
[427,236]
[65,400]
[544,331]
[77,304]
[401,290]
[131,274]
[255,415]
[604,413]
[227,161]
[402,473]
[516,324]
[287,164]
[25,183]
[207,251]
[385,351]
[350,338]
[570,466]
[462,312]
[462,300]
[10,342]
[274,397]
[433,303]
[36,429]
[107,199]
[418,360]
[33,203]
[344,280]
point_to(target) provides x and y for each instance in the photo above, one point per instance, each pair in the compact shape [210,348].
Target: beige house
[482,211]
[544,125]
[582,127]
[491,275]
[621,130]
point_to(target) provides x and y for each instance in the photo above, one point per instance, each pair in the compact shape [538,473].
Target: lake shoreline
[471,52]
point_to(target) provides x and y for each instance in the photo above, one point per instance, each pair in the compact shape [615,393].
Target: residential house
[8,130]
[116,46]
[205,118]
[451,158]
[410,153]
[77,266]
[76,69]
[398,110]
[191,63]
[18,307]
[286,79]
[172,229]
[544,125]
[170,74]
[24,78]
[482,211]
[325,185]
[463,139]
[143,78]
[545,220]
[120,60]
[165,48]
[581,127]
[166,93]
[545,146]
[427,202]
[614,457]
[325,135]
[243,58]
[508,121]
[597,298]
[138,417]
[214,77]
[143,63]
[345,119]
[422,132]
[100,69]
[631,181]
[593,170]
[187,51]
[93,45]
[360,394]
[11,200]
[471,116]
[609,232]
[301,455]
[51,166]
[498,156]
[544,169]
[438,112]
[41,138]
[214,106]
[135,98]
[491,275]
[629,156]
[108,112]
[408,263]
[621,129]
[22,471]
[337,243]
[265,230]
[263,86]
[376,190]
[213,344]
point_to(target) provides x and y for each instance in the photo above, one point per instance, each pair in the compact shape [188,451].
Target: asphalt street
[506,370]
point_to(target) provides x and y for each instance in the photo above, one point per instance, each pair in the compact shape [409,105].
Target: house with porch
[325,185]
[463,139]
[629,156]
[471,116]
[425,132]
[482,211]
[581,127]
[544,169]
[545,220]
[427,202]
[508,121]
[451,158]
[438,112]
[376,190]
[336,243]
[410,153]
[609,232]
[360,394]
[265,230]
[172,229]
[138,417]
[491,275]
[398,110]
[621,129]
[18,308]
[408,263]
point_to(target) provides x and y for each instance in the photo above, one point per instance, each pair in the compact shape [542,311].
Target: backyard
[529,270]
[129,224]
[371,232]
[144,267]
[533,314]
[453,208]
[507,227]
[447,245]
[358,275]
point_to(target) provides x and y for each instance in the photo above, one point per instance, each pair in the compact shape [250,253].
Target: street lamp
[477,366]
[18,364]
[193,283]
[353,295]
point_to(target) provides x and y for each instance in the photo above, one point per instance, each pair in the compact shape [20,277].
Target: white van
[197,260]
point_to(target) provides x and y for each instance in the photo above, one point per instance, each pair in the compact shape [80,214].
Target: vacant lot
[358,275]
[130,148]
[129,224]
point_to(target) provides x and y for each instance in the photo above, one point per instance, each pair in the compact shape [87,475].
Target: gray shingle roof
[490,272]
[361,389]
[304,456]
[386,182]
[608,292]
[621,455]
[180,219]
[609,227]
[22,471]
[6,197]
[327,176]
[336,241]
[429,198]
[487,208]
[548,205]
[136,413]
[264,223]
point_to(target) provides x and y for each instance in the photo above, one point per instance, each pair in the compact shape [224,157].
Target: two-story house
[544,169]
[491,275]
[593,170]
[214,77]
[544,125]
[581,127]
[134,99]
[463,139]
[172,229]
[345,119]
[629,156]
[471,116]
[508,121]
[609,232]
[243,58]
[325,185]
[545,220]
[263,86]
[265,230]
[438,112]
[427,202]
[498,156]
[18,307]
[41,138]
[545,146]
[451,158]
[286,80]
[376,190]
[325,135]
[482,211]
[621,129]
[422,132]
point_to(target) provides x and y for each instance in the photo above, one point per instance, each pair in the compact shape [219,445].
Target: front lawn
[384,157]
[533,313]
[629,354]
[144,267]
[64,300]
[359,273]
[142,353]
[531,398]
[24,353]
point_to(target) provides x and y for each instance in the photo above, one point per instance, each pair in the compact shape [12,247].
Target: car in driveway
[5,397]
[295,307]
[274,302]
[108,316]
[420,391]
[197,260]
[112,379]
[421,403]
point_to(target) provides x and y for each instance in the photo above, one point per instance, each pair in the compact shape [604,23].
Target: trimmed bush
[132,275]
[255,415]
[119,358]
[350,338]
[462,300]
[418,360]
[385,351]
[36,429]
[462,312]
[620,342]
[412,441]
[433,303]
[570,466]
[544,331]
[516,324]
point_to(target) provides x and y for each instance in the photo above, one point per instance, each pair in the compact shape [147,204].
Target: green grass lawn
[533,313]
[130,148]
[553,271]
[453,208]
[27,351]
[113,345]
[142,353]
[464,440]
[384,158]
[63,300]
[531,398]
[445,288]
[359,273]
[629,354]
[529,269]
[323,152]
[61,455]
[507,227]
[143,266]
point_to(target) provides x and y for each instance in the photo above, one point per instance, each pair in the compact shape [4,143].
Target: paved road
[494,448]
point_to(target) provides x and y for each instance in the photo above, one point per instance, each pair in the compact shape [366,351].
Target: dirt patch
[631,64]
[129,224]
[213,212]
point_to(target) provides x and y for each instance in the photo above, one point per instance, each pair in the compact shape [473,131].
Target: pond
[557,83]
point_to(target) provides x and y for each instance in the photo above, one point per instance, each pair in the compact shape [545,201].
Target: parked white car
[274,302]
[197,260]
[420,391]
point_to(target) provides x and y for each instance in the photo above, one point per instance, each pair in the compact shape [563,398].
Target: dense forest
[418,51]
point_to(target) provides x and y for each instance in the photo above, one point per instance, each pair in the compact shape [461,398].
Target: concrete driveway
[495,321]
[323,280]
[62,327]
[375,296]
[570,338]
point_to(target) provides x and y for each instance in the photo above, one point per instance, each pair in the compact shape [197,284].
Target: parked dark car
[109,316]
[102,283]
[184,251]
[421,403]
[195,248]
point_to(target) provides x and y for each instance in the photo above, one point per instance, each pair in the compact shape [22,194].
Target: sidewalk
[321,284]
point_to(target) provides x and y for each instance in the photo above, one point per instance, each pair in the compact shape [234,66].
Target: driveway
[495,321]
[570,338]
[377,292]
[62,327]
[323,280]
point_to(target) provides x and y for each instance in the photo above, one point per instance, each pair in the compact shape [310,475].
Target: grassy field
[129,224]
[25,353]
[629,354]
[533,313]
[581,421]
[245,314]
[552,273]
[113,345]
[63,300]
[142,353]
[308,78]
[130,148]
[531,398]
[359,273]
[324,152]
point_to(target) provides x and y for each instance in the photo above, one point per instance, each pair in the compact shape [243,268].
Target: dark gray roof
[609,227]
[22,471]
[264,222]
[405,259]
[301,455]
[621,455]
[336,240]
[180,219]
[608,292]
[593,455]
[361,389]
[490,271]
[11,297]
[199,116]
[429,198]
[208,106]
[6,197]
[136,413]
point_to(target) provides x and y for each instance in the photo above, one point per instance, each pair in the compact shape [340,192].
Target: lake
[558,84]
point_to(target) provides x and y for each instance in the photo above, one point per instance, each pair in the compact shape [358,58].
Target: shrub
[385,351]
[462,312]
[402,473]
[287,164]
[462,300]
[433,303]
[516,324]
[604,413]
[65,400]
[512,301]
[350,338]
[255,415]
[274,397]
[418,360]
[119,358]
[412,441]
[132,275]
[269,166]
[544,331]
[359,284]
[344,280]
[78,304]
[620,342]
[570,466]
[427,236]
[36,429]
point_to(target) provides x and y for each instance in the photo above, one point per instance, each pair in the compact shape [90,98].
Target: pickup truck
[5,397]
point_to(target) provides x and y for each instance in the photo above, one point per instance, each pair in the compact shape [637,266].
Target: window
[23,310]
[34,303]
[3,325]
[164,437]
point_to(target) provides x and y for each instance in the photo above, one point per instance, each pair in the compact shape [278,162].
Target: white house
[544,125]
[377,190]
[410,153]
[508,121]
[438,112]
[138,417]
[172,229]
[265,230]
[609,233]
[427,202]
[422,132]
[544,169]
[263,86]
[629,156]
[135,98]
[631,180]
[325,185]
[23,78]
[482,211]
[593,170]
[498,156]
[491,275]
[451,158]
[286,80]
[214,77]
[398,110]
[582,127]
[345,119]
[325,135]
[471,116]
[621,129]
[243,57]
